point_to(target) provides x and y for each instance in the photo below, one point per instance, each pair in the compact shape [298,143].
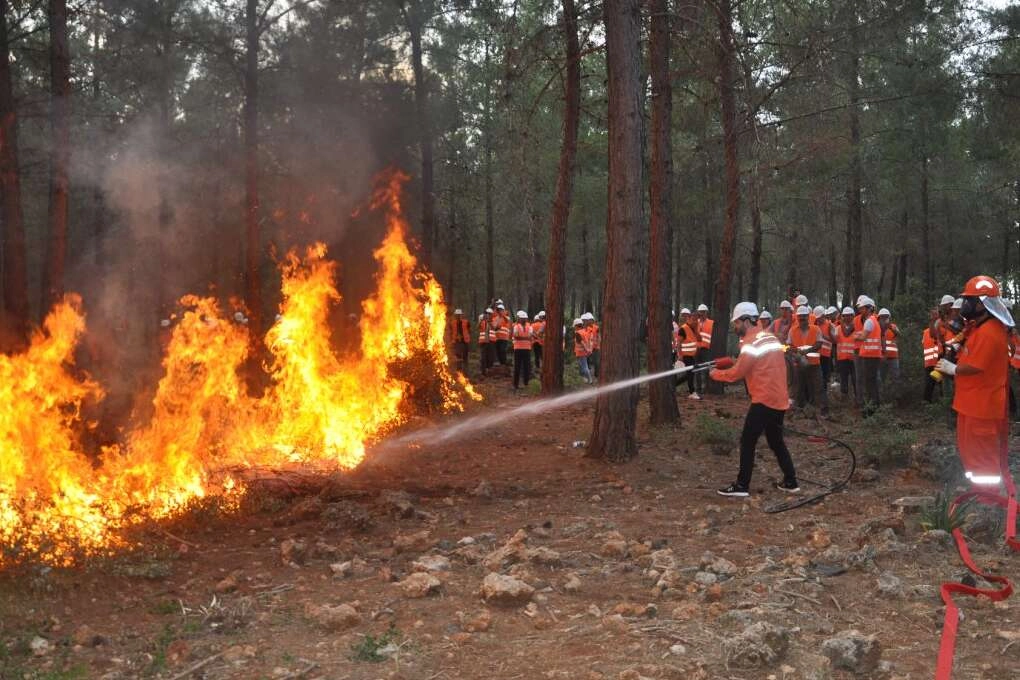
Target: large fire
[318,409]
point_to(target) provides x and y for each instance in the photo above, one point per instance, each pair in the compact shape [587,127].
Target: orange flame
[318,410]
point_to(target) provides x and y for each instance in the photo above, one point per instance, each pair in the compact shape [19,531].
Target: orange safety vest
[538,332]
[705,331]
[581,348]
[930,348]
[594,337]
[806,340]
[483,332]
[858,327]
[502,326]
[871,346]
[522,335]
[460,332]
[688,341]
[825,328]
[845,344]
[891,350]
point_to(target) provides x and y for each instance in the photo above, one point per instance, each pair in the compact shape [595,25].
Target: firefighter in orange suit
[931,350]
[486,340]
[538,331]
[704,343]
[521,335]
[982,376]
[459,332]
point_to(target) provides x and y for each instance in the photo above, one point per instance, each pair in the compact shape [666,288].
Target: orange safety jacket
[538,332]
[581,345]
[705,333]
[594,337]
[891,350]
[825,329]
[806,340]
[522,335]
[483,332]
[845,344]
[688,341]
[930,349]
[871,345]
[501,324]
[460,330]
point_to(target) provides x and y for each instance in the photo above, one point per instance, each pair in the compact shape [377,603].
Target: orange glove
[722,363]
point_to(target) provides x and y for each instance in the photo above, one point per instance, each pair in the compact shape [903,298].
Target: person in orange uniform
[828,336]
[582,350]
[764,321]
[870,353]
[982,372]
[538,331]
[705,325]
[688,338]
[846,351]
[762,365]
[501,325]
[931,349]
[805,341]
[890,350]
[594,343]
[523,341]
[459,332]
[486,340]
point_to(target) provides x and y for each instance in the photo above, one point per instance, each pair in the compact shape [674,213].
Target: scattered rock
[303,511]
[705,578]
[853,651]
[40,646]
[937,537]
[293,551]
[862,559]
[431,563]
[86,637]
[355,567]
[420,585]
[478,623]
[868,475]
[926,591]
[467,540]
[661,560]
[717,565]
[177,652]
[543,556]
[514,550]
[399,503]
[677,650]
[333,618]
[572,584]
[761,644]
[505,590]
[911,504]
[616,623]
[616,548]
[347,516]
[238,653]
[890,585]
[419,541]
[483,490]
[227,585]
[820,539]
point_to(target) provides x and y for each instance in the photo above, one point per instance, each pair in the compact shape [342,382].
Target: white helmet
[830,310]
[803,310]
[481,317]
[578,322]
[785,304]
[958,303]
[488,310]
[884,312]
[458,312]
[702,307]
[765,314]
[801,300]
[239,317]
[744,309]
[587,316]
[860,299]
[164,323]
[818,311]
[865,301]
[685,311]
[946,300]
[499,302]
[521,314]
[500,305]
[847,311]
[540,315]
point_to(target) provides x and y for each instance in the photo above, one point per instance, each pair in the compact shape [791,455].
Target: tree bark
[926,229]
[60,153]
[727,246]
[98,206]
[587,298]
[14,274]
[490,228]
[661,393]
[552,364]
[616,412]
[854,222]
[415,26]
[253,259]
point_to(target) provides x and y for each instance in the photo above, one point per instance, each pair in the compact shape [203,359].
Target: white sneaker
[695,396]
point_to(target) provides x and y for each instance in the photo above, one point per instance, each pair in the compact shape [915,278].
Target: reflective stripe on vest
[522,336]
[871,346]
[891,350]
[483,332]
[930,349]
[460,331]
[705,333]
[805,340]
[825,329]
[845,345]
[688,341]
[538,332]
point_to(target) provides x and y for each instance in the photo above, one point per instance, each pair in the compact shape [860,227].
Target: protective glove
[722,363]
[945,367]
[680,366]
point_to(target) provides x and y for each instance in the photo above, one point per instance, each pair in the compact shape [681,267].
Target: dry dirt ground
[629,571]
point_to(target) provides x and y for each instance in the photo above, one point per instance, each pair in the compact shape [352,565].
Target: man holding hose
[762,365]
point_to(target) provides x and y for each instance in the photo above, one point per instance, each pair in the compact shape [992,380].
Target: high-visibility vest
[806,340]
[845,344]
[858,327]
[871,346]
[688,341]
[891,350]
[502,326]
[483,331]
[930,348]
[705,333]
[522,335]
[460,330]
[581,348]
[825,329]
[538,332]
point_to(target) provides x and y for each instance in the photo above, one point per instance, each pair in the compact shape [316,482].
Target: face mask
[969,309]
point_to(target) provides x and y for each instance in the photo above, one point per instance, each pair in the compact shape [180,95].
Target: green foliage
[715,433]
[943,515]
[370,646]
[885,438]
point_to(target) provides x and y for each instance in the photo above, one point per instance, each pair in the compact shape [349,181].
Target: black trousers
[594,359]
[460,351]
[826,371]
[522,366]
[538,356]
[929,385]
[701,379]
[847,377]
[501,347]
[761,418]
[870,367]
[487,350]
[689,361]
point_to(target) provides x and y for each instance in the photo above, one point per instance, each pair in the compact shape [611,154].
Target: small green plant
[371,647]
[715,433]
[889,441]
[941,514]
[165,608]
[160,646]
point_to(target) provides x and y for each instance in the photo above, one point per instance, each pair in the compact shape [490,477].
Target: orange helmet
[981,286]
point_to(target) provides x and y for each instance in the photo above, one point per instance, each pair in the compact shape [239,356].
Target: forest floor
[632,571]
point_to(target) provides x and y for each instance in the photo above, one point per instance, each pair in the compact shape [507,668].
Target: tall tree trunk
[616,412]
[60,153]
[552,364]
[490,227]
[727,247]
[587,298]
[756,233]
[253,259]
[661,393]
[832,264]
[415,26]
[926,230]
[903,272]
[98,206]
[854,222]
[14,275]
[895,277]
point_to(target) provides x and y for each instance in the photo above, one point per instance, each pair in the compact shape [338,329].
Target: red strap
[944,666]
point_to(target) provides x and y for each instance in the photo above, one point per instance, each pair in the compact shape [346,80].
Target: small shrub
[941,514]
[887,440]
[371,647]
[715,433]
